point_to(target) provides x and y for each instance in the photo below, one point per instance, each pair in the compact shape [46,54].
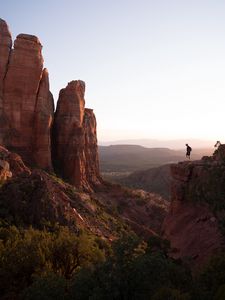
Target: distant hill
[155,180]
[155,143]
[130,158]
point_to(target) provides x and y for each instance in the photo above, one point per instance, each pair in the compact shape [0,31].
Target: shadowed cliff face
[194,224]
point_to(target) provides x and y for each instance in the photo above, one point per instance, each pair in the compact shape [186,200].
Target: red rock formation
[91,148]
[68,137]
[197,204]
[43,117]
[6,44]
[74,138]
[5,48]
[27,105]
[26,114]
[20,92]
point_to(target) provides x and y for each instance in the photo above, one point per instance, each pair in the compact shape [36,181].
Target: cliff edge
[195,223]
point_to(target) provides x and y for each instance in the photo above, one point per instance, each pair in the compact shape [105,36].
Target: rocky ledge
[195,223]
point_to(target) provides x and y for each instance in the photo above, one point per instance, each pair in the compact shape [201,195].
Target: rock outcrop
[27,113]
[5,48]
[25,88]
[194,224]
[6,45]
[91,148]
[43,118]
[75,154]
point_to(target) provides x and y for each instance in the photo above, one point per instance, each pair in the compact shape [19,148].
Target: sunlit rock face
[75,154]
[27,113]
[197,210]
[27,106]
[43,118]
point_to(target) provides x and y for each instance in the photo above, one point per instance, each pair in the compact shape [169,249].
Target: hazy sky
[153,69]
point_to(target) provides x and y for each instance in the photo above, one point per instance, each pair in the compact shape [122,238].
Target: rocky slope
[195,223]
[34,197]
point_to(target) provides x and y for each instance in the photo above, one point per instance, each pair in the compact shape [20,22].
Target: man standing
[188,153]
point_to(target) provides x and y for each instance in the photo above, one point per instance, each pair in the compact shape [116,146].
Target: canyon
[49,165]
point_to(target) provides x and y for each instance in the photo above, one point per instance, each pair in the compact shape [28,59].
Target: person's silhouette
[188,151]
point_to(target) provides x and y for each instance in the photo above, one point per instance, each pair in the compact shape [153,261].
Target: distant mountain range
[130,158]
[154,143]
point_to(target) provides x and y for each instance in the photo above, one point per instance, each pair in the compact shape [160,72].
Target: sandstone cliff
[75,153]
[25,99]
[5,48]
[195,223]
[27,113]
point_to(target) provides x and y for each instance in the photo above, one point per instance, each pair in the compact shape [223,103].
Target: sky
[153,68]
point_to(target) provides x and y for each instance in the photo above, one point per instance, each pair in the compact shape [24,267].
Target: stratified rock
[75,154]
[20,92]
[28,105]
[197,209]
[43,117]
